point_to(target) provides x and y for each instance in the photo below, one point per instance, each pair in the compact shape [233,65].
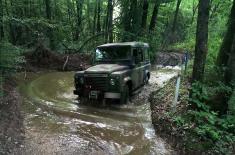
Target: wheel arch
[128,82]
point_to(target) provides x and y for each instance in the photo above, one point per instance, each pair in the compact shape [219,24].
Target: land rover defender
[119,69]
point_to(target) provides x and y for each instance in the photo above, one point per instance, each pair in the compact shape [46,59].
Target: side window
[138,55]
[141,55]
[146,54]
[135,55]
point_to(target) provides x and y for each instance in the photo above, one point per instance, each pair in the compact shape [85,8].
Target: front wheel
[83,100]
[125,97]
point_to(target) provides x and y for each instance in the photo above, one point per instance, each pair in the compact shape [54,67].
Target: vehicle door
[146,63]
[142,66]
[137,75]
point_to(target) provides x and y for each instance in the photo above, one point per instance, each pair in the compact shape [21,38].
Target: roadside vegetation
[71,28]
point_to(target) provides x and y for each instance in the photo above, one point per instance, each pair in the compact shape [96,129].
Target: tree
[48,9]
[109,22]
[230,74]
[1,21]
[131,20]
[226,46]
[154,16]
[201,41]
[227,52]
[126,18]
[144,14]
[95,18]
[135,22]
[49,18]
[88,14]
[79,4]
[98,27]
[176,15]
[230,77]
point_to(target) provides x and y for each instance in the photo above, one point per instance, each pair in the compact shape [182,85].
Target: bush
[10,60]
[215,133]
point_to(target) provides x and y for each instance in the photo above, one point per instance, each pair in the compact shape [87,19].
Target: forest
[204,28]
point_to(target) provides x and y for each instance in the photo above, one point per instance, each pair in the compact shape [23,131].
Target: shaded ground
[44,59]
[55,124]
[11,122]
[161,105]
[170,58]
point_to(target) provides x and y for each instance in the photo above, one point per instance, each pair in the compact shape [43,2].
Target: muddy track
[56,124]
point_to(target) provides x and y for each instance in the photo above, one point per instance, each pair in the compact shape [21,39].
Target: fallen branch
[65,63]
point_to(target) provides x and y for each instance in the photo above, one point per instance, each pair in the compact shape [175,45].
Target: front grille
[96,83]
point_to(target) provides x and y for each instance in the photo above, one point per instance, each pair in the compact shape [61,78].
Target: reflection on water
[56,123]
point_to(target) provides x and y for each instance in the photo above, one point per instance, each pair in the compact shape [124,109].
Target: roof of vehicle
[131,44]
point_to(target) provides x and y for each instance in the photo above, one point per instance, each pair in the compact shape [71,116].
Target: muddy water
[55,122]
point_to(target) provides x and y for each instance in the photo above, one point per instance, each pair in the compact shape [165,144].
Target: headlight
[112,82]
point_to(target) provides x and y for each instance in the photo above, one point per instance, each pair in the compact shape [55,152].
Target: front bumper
[109,95]
[112,95]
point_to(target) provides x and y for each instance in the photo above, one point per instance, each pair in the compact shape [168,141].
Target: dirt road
[55,123]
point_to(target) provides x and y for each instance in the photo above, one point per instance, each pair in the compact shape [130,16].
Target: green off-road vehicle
[119,70]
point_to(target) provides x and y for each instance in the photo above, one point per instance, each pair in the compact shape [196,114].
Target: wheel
[83,100]
[104,102]
[146,80]
[125,97]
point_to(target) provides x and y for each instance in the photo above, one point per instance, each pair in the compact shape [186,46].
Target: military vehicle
[119,69]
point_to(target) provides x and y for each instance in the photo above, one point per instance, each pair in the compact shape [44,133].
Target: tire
[83,100]
[125,97]
[146,80]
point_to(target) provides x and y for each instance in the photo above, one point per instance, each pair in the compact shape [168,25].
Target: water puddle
[55,123]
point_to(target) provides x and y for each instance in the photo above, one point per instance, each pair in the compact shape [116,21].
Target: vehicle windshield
[114,53]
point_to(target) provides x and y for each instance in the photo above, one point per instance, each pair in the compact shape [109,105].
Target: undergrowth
[204,128]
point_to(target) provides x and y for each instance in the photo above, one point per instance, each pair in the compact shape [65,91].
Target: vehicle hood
[106,68]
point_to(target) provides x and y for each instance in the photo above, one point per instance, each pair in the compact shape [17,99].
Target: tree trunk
[230,71]
[11,26]
[50,30]
[194,12]
[109,22]
[201,41]
[1,21]
[69,10]
[98,17]
[126,20]
[88,15]
[154,16]
[145,14]
[95,18]
[48,9]
[226,46]
[134,19]
[230,78]
[176,15]
[79,4]
[226,58]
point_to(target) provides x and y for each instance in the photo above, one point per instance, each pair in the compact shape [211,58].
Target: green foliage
[231,103]
[199,96]
[10,60]
[212,132]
